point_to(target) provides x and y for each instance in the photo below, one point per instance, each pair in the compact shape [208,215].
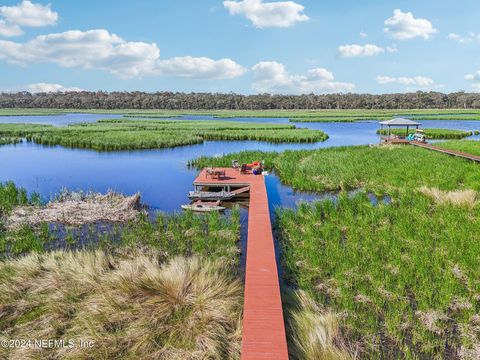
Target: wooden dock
[446,151]
[263,334]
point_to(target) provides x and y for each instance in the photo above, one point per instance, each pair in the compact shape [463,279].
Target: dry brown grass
[313,333]
[468,198]
[78,209]
[129,305]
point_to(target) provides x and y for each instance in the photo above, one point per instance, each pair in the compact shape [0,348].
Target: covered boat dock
[397,123]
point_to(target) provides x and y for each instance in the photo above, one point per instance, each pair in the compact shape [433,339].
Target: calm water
[56,120]
[160,175]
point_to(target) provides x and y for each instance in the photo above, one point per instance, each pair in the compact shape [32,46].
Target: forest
[231,101]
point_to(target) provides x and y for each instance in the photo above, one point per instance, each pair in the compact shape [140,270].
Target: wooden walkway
[446,151]
[263,334]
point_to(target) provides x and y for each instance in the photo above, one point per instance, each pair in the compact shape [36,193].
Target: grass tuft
[468,198]
[129,305]
[313,333]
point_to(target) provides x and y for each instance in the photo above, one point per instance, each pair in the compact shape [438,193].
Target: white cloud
[273,77]
[268,14]
[93,49]
[8,30]
[392,49]
[363,34]
[470,37]
[473,77]
[416,81]
[98,49]
[201,67]
[356,50]
[25,14]
[404,26]
[47,88]
[456,37]
[29,14]
[475,80]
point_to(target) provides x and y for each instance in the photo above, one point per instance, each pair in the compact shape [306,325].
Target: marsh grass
[378,169]
[468,198]
[124,134]
[9,140]
[185,233]
[313,333]
[128,303]
[295,115]
[395,272]
[467,146]
[432,133]
[167,288]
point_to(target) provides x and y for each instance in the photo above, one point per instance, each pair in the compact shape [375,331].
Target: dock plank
[263,334]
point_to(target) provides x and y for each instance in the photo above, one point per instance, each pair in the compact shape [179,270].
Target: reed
[313,332]
[378,169]
[122,134]
[9,140]
[393,271]
[467,146]
[432,133]
[211,235]
[163,287]
[295,115]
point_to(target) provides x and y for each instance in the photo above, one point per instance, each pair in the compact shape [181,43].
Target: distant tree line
[231,101]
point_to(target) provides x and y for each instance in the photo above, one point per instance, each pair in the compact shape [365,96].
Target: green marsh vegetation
[403,276]
[9,140]
[467,146]
[321,115]
[185,233]
[389,280]
[30,112]
[122,134]
[377,169]
[163,288]
[432,133]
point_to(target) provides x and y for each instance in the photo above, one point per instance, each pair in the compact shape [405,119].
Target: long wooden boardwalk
[447,151]
[263,334]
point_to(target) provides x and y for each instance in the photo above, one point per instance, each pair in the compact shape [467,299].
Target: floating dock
[263,334]
[446,151]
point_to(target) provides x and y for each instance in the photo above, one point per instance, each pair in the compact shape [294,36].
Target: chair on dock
[243,169]
[208,171]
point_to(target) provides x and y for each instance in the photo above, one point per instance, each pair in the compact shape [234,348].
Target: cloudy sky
[243,46]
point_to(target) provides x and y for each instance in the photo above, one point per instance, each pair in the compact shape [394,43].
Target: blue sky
[243,46]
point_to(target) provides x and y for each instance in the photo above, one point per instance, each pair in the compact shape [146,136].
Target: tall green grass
[379,169]
[211,235]
[431,133]
[394,271]
[294,115]
[151,134]
[9,140]
[467,146]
